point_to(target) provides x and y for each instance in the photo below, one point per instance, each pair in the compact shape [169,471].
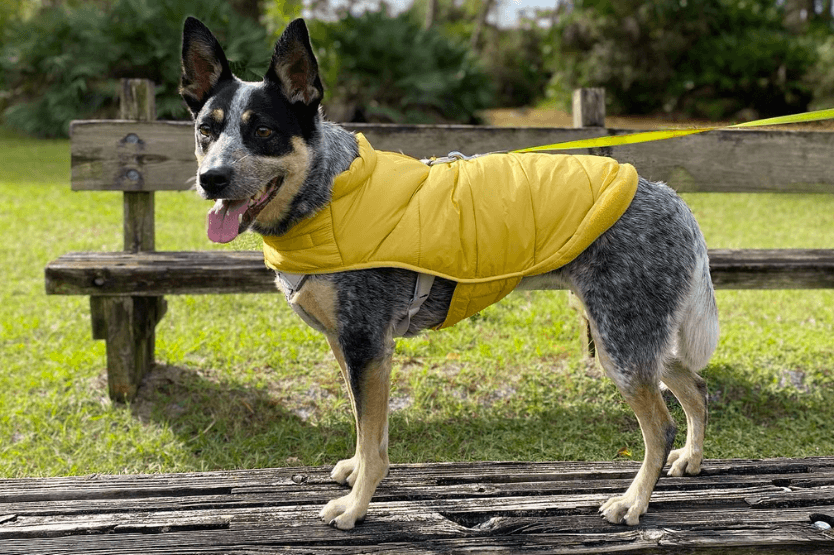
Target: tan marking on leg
[319,299]
[689,389]
[345,470]
[656,424]
[295,167]
[371,459]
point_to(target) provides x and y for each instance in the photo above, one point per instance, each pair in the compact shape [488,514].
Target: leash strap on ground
[648,136]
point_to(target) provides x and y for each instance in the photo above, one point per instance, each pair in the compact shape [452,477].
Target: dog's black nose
[215,180]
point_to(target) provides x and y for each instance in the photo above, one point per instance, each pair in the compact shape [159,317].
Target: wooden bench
[736,507]
[139,156]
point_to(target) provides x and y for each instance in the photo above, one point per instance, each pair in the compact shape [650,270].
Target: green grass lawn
[244,383]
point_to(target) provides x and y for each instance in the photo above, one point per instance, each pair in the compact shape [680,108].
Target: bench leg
[589,350]
[128,325]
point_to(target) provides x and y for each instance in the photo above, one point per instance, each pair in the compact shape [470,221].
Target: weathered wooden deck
[735,506]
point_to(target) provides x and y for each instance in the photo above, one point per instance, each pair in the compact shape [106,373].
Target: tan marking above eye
[247,115]
[218,115]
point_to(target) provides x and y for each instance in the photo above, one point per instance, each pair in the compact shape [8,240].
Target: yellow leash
[647,136]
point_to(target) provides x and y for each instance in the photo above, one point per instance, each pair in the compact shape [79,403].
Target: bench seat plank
[214,272]
[159,273]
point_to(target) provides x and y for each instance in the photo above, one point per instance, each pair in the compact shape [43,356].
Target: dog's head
[252,138]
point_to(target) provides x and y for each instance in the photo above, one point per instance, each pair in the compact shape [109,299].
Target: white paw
[625,509]
[345,471]
[684,461]
[344,512]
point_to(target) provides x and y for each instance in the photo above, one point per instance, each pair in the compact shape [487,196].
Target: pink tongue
[223,219]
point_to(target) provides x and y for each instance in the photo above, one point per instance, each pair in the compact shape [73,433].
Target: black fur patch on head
[267,107]
[221,100]
[204,64]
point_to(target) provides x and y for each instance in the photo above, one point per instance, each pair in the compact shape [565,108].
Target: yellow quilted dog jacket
[485,223]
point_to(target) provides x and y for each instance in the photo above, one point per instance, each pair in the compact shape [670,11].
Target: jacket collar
[358,172]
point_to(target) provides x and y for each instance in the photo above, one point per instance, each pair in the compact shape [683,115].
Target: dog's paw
[344,513]
[626,509]
[345,471]
[684,461]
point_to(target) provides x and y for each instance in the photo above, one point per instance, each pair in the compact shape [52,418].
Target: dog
[269,160]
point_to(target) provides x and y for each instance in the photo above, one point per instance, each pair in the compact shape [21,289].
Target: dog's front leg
[367,372]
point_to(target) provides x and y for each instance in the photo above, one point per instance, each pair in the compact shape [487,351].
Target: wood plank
[159,273]
[207,513]
[772,269]
[137,102]
[114,155]
[134,156]
[211,272]
[130,335]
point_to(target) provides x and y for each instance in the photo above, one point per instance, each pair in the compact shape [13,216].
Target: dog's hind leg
[368,381]
[697,339]
[658,428]
[691,391]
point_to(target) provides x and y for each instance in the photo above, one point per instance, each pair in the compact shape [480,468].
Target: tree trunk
[248,8]
[431,13]
[826,11]
[480,23]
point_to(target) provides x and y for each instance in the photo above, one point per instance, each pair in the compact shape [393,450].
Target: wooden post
[588,111]
[128,324]
[136,102]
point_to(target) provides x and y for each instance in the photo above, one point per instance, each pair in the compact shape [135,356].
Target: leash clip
[451,157]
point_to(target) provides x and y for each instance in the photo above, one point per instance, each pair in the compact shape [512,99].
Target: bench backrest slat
[154,156]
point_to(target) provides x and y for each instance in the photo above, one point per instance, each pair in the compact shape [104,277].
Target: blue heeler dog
[269,160]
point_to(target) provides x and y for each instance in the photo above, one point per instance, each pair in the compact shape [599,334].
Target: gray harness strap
[292,283]
[421,292]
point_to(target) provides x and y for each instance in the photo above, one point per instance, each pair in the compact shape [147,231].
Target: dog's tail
[698,331]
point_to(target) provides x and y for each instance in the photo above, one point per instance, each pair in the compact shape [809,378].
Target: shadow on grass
[224,425]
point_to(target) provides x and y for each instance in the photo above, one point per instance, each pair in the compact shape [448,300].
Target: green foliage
[64,63]
[389,69]
[820,78]
[516,60]
[708,58]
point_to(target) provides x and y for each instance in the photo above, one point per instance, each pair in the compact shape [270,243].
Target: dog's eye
[263,132]
[204,130]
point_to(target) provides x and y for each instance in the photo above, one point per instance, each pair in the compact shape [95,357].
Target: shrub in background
[820,78]
[65,62]
[389,69]
[705,58]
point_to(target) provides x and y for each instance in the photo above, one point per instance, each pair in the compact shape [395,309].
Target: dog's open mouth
[228,218]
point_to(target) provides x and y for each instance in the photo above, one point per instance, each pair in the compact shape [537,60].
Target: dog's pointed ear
[204,65]
[294,67]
